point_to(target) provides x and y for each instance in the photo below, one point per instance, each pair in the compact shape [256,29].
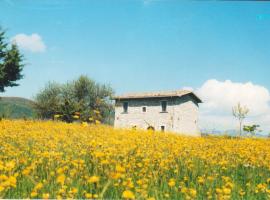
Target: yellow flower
[75,117]
[96,111]
[1,188]
[38,186]
[45,196]
[61,179]
[88,196]
[227,191]
[219,191]
[10,165]
[85,124]
[120,169]
[242,192]
[56,116]
[93,179]
[171,182]
[192,192]
[200,180]
[127,194]
[33,194]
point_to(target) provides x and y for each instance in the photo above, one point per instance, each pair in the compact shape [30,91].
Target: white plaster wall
[181,115]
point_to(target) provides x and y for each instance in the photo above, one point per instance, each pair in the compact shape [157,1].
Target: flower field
[59,160]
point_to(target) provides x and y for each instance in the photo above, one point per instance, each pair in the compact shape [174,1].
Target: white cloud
[33,42]
[220,96]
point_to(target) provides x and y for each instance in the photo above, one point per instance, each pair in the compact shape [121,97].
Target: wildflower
[85,124]
[127,194]
[56,116]
[200,180]
[33,194]
[192,192]
[241,192]
[227,191]
[96,111]
[61,179]
[75,117]
[171,182]
[45,196]
[166,195]
[88,196]
[93,179]
[38,186]
[120,169]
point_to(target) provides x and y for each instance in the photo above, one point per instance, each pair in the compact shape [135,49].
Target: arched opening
[150,128]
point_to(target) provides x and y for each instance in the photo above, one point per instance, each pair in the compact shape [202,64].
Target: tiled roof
[177,93]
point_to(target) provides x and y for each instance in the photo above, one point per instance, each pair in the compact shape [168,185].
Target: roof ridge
[157,94]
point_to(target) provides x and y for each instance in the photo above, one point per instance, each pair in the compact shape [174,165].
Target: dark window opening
[164,106]
[150,128]
[125,107]
[162,128]
[144,109]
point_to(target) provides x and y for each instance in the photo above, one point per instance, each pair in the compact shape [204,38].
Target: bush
[82,99]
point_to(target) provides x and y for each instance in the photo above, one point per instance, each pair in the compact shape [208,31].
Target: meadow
[58,160]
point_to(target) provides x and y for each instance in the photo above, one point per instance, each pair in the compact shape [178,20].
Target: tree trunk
[240,131]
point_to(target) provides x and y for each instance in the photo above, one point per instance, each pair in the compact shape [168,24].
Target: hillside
[16,107]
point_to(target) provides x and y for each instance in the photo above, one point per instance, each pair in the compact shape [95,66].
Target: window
[162,128]
[144,109]
[125,107]
[164,106]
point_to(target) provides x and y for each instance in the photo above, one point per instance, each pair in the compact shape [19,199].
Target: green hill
[16,107]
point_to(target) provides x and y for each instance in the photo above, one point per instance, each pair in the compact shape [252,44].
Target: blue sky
[142,45]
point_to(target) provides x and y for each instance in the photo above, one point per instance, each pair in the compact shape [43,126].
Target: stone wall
[181,115]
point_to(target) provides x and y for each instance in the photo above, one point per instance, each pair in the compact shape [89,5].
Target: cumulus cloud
[33,42]
[220,96]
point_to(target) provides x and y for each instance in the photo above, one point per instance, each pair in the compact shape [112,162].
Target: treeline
[79,100]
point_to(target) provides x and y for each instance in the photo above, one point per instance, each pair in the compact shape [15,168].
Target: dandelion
[45,196]
[171,182]
[93,179]
[127,194]
[61,179]
[33,194]
[88,196]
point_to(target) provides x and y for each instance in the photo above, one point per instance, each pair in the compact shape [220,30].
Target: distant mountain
[16,107]
[230,132]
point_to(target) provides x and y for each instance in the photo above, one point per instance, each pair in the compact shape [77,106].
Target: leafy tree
[240,112]
[11,64]
[47,101]
[82,98]
[251,129]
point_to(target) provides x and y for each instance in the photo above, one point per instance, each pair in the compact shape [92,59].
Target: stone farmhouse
[175,111]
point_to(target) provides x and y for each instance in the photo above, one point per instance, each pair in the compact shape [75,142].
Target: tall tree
[11,65]
[82,97]
[240,112]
